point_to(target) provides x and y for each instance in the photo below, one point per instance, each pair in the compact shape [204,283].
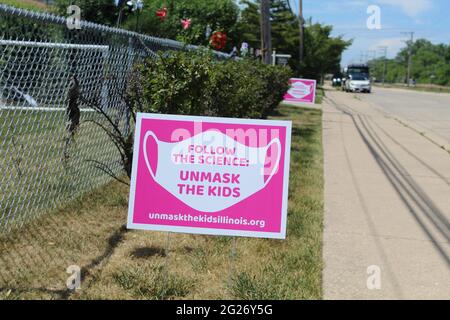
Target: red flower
[162,13]
[186,23]
[218,40]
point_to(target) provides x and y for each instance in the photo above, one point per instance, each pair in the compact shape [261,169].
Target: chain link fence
[47,150]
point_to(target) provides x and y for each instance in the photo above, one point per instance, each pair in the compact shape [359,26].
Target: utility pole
[384,51]
[266,36]
[369,53]
[410,46]
[120,4]
[139,7]
[302,30]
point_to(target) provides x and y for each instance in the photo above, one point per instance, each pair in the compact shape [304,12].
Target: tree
[322,52]
[430,64]
[248,26]
[99,11]
[284,28]
[285,32]
[219,15]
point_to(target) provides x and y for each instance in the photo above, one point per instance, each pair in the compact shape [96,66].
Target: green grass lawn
[320,93]
[121,264]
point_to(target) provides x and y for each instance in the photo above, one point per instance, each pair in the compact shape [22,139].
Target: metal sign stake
[166,259]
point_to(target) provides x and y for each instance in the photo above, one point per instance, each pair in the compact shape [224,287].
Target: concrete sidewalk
[387,206]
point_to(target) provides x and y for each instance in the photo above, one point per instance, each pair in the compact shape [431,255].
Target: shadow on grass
[277,113]
[113,242]
[148,252]
[304,132]
[34,258]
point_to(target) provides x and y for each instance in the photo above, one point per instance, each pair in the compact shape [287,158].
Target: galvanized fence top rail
[46,151]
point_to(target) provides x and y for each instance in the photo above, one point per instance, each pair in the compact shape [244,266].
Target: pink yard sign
[210,176]
[302,91]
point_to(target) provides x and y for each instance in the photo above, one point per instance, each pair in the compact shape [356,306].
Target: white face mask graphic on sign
[249,179]
[300,90]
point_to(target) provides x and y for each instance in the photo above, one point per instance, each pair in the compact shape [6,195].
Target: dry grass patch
[202,267]
[156,265]
[34,258]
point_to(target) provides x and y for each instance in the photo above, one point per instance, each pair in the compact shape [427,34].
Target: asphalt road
[430,112]
[387,204]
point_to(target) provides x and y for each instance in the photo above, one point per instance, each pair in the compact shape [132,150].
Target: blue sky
[427,18]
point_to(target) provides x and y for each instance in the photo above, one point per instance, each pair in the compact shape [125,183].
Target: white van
[358,83]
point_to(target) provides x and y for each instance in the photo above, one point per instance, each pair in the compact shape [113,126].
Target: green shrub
[194,83]
[236,90]
[276,81]
[176,83]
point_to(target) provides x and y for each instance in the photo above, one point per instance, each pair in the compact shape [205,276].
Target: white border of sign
[304,102]
[211,231]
